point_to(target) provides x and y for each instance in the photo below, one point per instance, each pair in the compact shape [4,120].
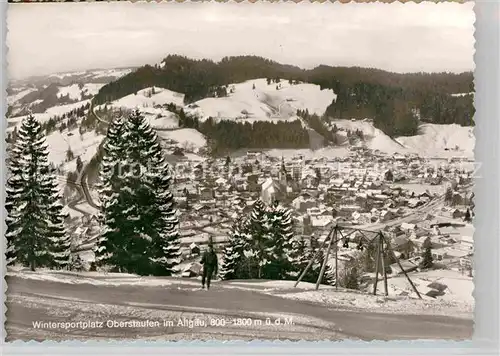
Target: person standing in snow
[210,265]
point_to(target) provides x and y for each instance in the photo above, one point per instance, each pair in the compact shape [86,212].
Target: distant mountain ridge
[39,93]
[396,102]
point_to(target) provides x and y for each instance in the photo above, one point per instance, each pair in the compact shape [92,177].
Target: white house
[467,242]
[269,191]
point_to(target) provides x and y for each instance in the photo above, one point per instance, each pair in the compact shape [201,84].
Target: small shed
[195,249]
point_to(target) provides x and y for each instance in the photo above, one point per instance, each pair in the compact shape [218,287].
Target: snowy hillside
[439,140]
[188,138]
[265,102]
[84,146]
[433,141]
[50,112]
[149,97]
[375,139]
[94,74]
[76,92]
[41,93]
[150,101]
[19,94]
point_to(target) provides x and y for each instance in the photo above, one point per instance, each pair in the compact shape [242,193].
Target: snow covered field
[458,301]
[50,112]
[94,74]
[189,138]
[264,102]
[148,98]
[442,140]
[84,146]
[326,152]
[433,141]
[419,188]
[75,92]
[12,99]
[349,300]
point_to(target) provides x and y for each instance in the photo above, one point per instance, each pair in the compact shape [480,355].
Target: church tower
[282,175]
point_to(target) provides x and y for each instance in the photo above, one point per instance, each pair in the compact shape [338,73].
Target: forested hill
[395,101]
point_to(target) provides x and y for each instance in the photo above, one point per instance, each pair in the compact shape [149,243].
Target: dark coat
[209,261]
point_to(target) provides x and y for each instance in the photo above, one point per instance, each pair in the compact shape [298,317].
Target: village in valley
[409,198]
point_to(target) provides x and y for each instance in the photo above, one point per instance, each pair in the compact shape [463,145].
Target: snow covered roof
[221,181]
[321,221]
[268,184]
[406,226]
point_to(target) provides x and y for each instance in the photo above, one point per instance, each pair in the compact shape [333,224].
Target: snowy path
[31,300]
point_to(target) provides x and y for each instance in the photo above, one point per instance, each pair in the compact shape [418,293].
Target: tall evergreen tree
[234,260]
[448,196]
[36,236]
[427,260]
[259,226]
[299,257]
[144,232]
[279,242]
[315,269]
[109,248]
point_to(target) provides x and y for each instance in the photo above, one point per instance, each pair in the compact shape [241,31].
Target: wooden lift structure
[382,246]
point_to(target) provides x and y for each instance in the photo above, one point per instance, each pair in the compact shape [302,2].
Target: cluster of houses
[357,190]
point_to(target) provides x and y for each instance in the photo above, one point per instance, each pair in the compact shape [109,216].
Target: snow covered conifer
[233,261]
[110,243]
[279,240]
[299,257]
[36,235]
[313,272]
[427,260]
[141,223]
[258,229]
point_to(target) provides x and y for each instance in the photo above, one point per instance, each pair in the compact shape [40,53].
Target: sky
[47,38]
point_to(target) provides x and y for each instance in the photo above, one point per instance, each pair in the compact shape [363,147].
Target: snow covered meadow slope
[77,92]
[93,74]
[438,139]
[18,94]
[83,146]
[57,110]
[433,140]
[187,138]
[151,101]
[265,102]
[149,97]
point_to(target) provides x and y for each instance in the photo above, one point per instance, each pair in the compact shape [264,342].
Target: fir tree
[299,257]
[140,217]
[109,245]
[427,260]
[369,257]
[279,242]
[448,197]
[258,226]
[350,276]
[36,236]
[79,164]
[467,217]
[234,260]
